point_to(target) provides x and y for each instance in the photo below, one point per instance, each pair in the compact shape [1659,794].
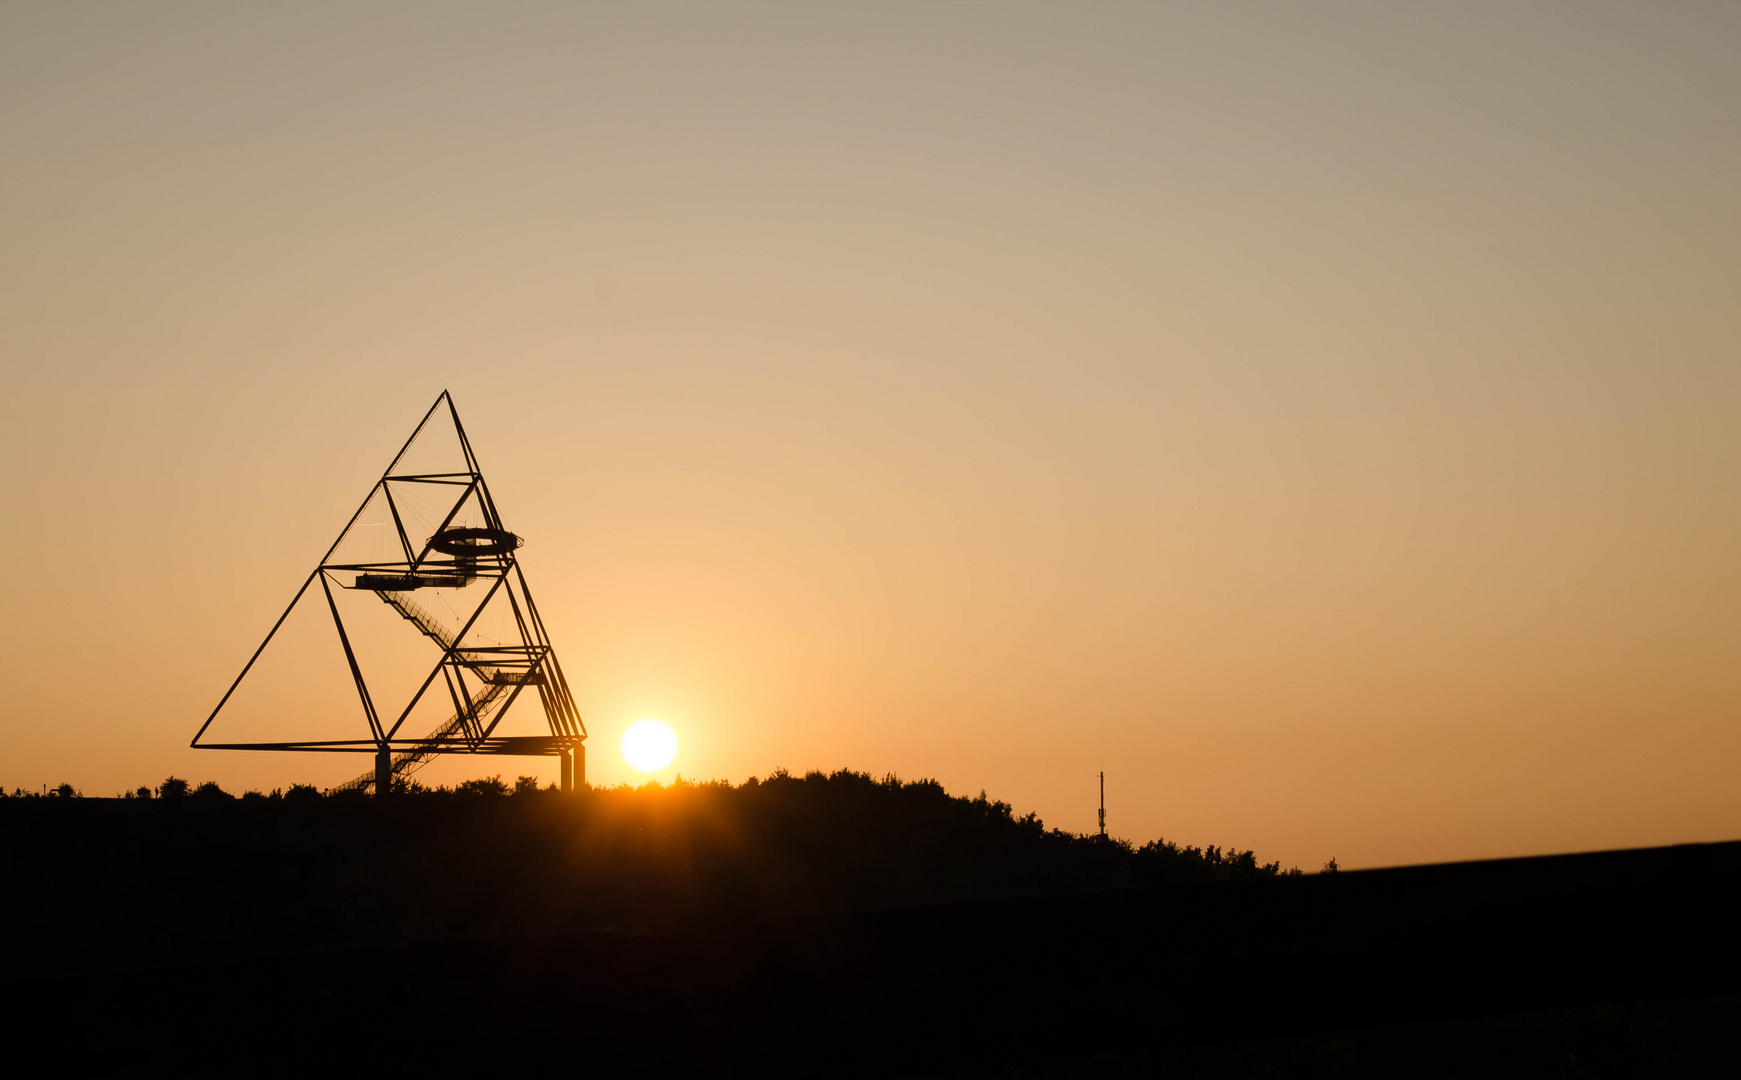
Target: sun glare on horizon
[649,745]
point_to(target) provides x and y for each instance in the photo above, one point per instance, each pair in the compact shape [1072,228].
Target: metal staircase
[411,760]
[417,615]
[495,684]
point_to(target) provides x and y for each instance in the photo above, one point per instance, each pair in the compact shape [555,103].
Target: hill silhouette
[818,926]
[208,876]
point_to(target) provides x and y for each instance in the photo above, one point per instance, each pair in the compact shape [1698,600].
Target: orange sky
[1328,423]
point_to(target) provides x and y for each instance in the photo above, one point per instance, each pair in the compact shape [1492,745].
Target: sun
[649,745]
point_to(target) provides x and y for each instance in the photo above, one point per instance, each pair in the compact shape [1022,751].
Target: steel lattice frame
[495,670]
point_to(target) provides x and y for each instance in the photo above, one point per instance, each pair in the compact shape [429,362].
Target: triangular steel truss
[481,678]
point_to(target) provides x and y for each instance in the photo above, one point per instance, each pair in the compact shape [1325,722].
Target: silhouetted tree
[525,785]
[173,787]
[211,792]
[488,786]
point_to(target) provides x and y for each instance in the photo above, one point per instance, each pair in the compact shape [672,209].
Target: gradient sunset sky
[1324,418]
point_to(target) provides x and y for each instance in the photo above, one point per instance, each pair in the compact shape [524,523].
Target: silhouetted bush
[172,788]
[302,794]
[211,792]
[491,785]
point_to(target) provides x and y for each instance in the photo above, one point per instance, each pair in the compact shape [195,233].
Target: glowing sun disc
[649,745]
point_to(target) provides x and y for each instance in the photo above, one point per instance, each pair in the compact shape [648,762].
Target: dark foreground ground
[1610,964]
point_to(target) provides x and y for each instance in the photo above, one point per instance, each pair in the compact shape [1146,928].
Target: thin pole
[1103,804]
[356,672]
[249,666]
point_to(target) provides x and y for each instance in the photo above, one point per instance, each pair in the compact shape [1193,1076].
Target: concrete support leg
[383,772]
[567,759]
[580,765]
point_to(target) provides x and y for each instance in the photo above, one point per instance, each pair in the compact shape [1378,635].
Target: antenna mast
[1103,804]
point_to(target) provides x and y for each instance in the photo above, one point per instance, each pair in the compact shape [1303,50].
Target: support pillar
[567,759]
[579,765]
[383,772]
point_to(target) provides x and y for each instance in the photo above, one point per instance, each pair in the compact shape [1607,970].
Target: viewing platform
[408,582]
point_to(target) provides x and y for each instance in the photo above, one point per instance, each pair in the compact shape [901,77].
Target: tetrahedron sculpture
[428,613]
